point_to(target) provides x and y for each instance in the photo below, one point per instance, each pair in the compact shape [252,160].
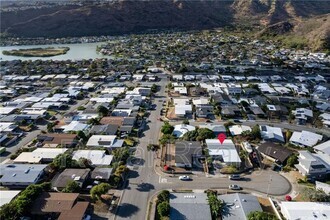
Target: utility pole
[269,182]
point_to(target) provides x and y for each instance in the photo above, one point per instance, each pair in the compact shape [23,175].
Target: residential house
[313,165]
[108,129]
[239,129]
[305,210]
[192,206]
[95,157]
[181,129]
[54,140]
[233,89]
[324,147]
[187,153]
[7,196]
[101,173]
[181,90]
[204,111]
[302,115]
[108,141]
[40,155]
[271,133]
[217,129]
[61,206]
[73,126]
[222,99]
[322,186]
[230,111]
[225,152]
[305,138]
[182,107]
[80,176]
[274,152]
[20,175]
[239,206]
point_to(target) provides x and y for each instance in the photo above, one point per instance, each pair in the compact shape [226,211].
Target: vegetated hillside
[312,32]
[125,16]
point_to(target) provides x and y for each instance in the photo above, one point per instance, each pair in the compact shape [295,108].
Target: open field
[37,52]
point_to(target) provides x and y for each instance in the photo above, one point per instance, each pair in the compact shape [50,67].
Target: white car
[234,187]
[184,178]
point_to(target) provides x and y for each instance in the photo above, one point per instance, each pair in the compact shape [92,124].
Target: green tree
[153,147]
[257,215]
[167,128]
[63,161]
[154,88]
[292,160]
[163,209]
[121,154]
[21,204]
[99,190]
[164,195]
[216,205]
[204,133]
[167,138]
[82,135]
[103,111]
[255,132]
[185,121]
[314,195]
[190,136]
[50,126]
[93,121]
[71,187]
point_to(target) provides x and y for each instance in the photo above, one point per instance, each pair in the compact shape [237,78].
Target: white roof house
[313,165]
[34,111]
[182,107]
[322,186]
[7,127]
[324,147]
[7,196]
[96,157]
[102,99]
[302,113]
[104,141]
[200,101]
[239,129]
[181,90]
[75,126]
[181,129]
[7,110]
[305,138]
[225,152]
[271,133]
[305,210]
[39,154]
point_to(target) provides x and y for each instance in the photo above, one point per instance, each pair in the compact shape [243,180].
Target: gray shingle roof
[238,206]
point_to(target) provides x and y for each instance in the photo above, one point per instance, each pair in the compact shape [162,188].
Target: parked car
[234,187]
[184,178]
[235,177]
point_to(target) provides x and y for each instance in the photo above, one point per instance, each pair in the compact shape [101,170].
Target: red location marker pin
[222,137]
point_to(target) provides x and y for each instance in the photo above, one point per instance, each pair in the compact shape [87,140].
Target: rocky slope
[124,16]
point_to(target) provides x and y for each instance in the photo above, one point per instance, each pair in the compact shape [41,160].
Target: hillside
[124,16]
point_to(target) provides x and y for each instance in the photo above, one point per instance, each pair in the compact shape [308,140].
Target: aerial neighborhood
[178,126]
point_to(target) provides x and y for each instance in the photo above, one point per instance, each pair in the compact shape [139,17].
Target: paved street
[143,181]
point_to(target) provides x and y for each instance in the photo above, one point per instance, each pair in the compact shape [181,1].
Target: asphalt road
[143,181]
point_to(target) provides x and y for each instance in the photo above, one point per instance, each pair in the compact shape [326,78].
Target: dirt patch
[171,113]
[265,205]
